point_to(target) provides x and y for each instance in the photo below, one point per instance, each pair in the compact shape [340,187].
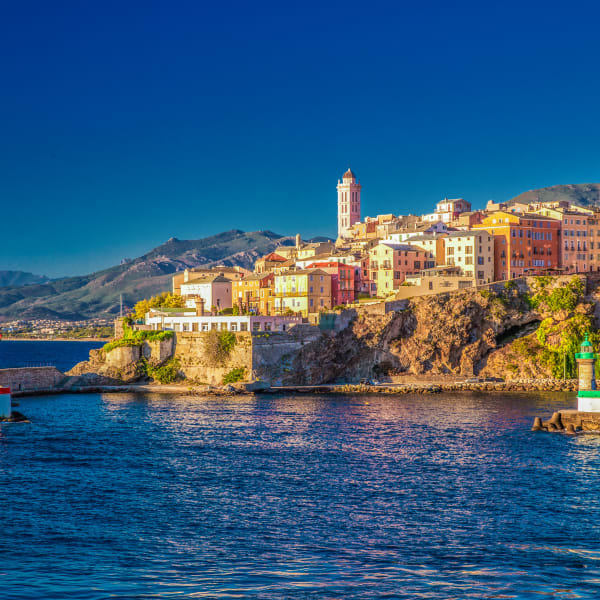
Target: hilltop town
[392,257]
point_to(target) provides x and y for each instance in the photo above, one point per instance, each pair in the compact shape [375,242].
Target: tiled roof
[273,257]
[208,279]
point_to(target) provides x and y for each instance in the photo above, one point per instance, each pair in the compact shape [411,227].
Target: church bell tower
[348,190]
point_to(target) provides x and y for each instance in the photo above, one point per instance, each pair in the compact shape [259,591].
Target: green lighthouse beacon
[588,397]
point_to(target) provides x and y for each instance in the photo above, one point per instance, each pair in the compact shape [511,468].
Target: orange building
[253,293]
[267,263]
[524,244]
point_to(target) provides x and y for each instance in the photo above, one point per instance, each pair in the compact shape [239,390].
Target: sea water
[60,354]
[165,496]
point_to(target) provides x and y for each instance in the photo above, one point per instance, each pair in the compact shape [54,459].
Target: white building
[473,252]
[448,210]
[191,322]
[216,291]
[418,230]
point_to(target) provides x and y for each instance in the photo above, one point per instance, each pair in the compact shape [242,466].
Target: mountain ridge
[97,294]
[20,278]
[583,194]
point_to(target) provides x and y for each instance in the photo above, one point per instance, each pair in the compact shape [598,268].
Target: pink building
[343,289]
[348,203]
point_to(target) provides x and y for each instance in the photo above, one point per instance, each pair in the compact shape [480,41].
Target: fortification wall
[30,378]
[198,361]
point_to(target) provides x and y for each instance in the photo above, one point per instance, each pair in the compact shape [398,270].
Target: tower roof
[349,174]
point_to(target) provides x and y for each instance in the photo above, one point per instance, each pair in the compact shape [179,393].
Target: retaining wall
[30,378]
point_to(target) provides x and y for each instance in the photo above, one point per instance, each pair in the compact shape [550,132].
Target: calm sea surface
[62,355]
[158,496]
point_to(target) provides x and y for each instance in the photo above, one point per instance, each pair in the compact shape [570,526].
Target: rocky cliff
[525,328]
[529,328]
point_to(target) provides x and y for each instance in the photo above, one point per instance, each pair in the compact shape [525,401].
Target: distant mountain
[18,278]
[97,294]
[584,194]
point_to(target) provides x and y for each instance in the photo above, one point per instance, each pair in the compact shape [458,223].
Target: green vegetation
[560,298]
[136,338]
[218,346]
[560,341]
[164,300]
[166,373]
[234,375]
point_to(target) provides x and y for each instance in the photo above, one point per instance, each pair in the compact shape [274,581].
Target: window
[480,261]
[255,326]
[244,326]
[468,249]
[321,290]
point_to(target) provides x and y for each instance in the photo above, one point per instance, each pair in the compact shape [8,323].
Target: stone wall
[30,378]
[123,356]
[200,366]
[156,352]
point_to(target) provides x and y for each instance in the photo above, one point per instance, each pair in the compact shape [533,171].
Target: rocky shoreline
[258,387]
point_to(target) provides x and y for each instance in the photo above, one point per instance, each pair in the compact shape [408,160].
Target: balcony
[290,294]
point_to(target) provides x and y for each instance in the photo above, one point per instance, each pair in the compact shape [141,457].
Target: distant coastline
[30,339]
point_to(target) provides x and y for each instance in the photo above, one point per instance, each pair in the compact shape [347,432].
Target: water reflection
[310,497]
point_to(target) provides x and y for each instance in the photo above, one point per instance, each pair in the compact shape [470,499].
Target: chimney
[298,241]
[186,276]
[199,302]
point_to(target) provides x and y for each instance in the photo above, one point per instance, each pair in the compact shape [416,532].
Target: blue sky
[127,123]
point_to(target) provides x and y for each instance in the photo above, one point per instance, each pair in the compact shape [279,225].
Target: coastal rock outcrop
[514,330]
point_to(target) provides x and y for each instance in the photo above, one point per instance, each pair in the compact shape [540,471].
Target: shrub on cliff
[218,346]
[234,375]
[167,373]
[137,338]
[564,297]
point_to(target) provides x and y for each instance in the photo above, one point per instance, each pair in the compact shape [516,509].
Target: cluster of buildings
[396,256]
[54,328]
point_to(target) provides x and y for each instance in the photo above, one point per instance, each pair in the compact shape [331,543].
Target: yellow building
[303,291]
[252,293]
[391,262]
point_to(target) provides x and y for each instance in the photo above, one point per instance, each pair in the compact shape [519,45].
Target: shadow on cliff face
[454,333]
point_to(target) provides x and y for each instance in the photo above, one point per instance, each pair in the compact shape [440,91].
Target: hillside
[97,294]
[584,194]
[19,278]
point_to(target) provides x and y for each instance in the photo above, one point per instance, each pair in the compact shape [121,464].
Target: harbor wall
[30,378]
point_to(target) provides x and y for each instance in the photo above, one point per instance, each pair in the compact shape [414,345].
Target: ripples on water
[123,496]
